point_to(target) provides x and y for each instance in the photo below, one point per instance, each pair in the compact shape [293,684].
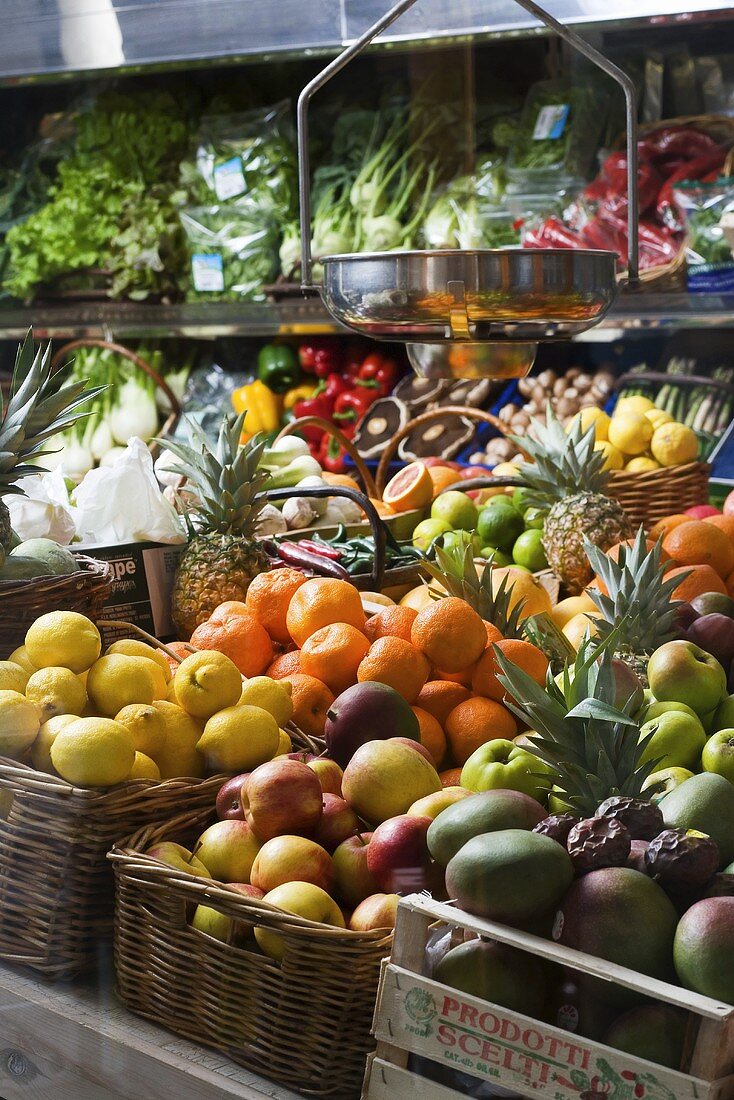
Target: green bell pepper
[501,764]
[278,367]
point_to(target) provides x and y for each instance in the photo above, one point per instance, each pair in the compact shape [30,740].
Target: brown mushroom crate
[416,1015]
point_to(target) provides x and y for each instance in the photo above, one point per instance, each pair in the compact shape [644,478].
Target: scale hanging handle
[576,41]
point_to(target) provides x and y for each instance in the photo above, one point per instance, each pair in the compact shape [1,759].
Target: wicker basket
[23,601]
[305,1022]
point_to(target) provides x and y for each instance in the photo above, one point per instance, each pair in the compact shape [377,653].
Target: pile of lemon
[100,719]
[639,436]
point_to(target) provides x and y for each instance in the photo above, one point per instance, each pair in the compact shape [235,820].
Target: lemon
[637,404]
[13,677]
[144,768]
[160,684]
[207,682]
[587,417]
[641,464]
[93,752]
[567,609]
[171,696]
[613,459]
[41,747]
[238,739]
[63,638]
[147,726]
[179,756]
[273,696]
[630,432]
[20,657]
[674,444]
[115,681]
[285,745]
[56,691]
[658,417]
[19,723]
[131,647]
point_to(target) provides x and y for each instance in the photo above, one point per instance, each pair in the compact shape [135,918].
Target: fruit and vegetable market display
[319,675]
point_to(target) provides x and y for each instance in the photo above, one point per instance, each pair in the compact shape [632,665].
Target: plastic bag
[709,258]
[43,512]
[123,503]
[233,251]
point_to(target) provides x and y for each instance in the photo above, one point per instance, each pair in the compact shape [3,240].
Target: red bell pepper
[320,357]
[317,405]
[353,358]
[352,406]
[380,369]
[335,385]
[332,455]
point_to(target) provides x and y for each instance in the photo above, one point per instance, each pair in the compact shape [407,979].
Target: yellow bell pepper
[298,393]
[261,405]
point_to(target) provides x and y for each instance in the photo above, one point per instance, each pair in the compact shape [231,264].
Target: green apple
[724,716]
[718,754]
[459,540]
[681,672]
[503,765]
[668,778]
[656,709]
[676,740]
[428,530]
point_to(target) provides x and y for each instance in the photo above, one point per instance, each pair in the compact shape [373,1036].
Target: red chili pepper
[355,402]
[552,233]
[320,357]
[380,369]
[666,207]
[676,143]
[332,455]
[615,174]
[322,548]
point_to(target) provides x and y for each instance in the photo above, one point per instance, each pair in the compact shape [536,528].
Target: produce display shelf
[301,317]
[75,1042]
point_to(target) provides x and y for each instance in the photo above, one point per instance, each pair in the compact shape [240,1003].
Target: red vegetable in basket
[552,233]
[614,171]
[319,357]
[381,370]
[332,455]
[675,144]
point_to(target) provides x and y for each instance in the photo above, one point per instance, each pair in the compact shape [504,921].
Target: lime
[534,519]
[456,509]
[498,556]
[528,551]
[499,527]
[519,500]
[458,541]
[501,500]
[428,530]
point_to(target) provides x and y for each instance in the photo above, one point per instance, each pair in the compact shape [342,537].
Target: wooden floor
[75,1042]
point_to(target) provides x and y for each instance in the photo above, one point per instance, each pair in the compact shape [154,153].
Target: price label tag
[208,271]
[229,179]
[551,122]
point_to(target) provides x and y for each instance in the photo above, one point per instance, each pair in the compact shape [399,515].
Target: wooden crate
[415,1015]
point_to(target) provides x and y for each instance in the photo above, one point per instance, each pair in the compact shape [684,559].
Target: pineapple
[639,606]
[40,405]
[566,480]
[593,749]
[457,572]
[222,555]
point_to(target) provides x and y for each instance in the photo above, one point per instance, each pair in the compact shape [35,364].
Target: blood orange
[411,487]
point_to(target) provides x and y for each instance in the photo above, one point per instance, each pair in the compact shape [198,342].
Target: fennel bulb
[135,413]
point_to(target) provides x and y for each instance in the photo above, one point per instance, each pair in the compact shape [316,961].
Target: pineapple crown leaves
[456,571]
[592,746]
[637,595]
[42,403]
[225,477]
[562,463]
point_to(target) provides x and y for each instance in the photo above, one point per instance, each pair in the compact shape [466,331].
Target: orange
[311,700]
[668,523]
[227,609]
[341,479]
[333,654]
[730,584]
[432,736]
[285,664]
[439,697]
[700,543]
[393,622]
[381,508]
[702,579]
[411,487]
[613,552]
[450,633]
[397,663]
[493,634]
[475,722]
[268,598]
[182,649]
[724,523]
[240,638]
[322,601]
[451,777]
[527,656]
[462,678]
[442,477]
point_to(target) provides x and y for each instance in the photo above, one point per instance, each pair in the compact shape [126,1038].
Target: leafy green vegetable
[704,205]
[233,249]
[558,130]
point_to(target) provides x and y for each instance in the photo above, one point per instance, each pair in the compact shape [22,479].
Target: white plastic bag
[123,503]
[43,512]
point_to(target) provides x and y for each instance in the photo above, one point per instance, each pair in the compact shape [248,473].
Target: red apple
[353,881]
[285,797]
[247,889]
[397,855]
[433,461]
[231,799]
[302,756]
[338,821]
[376,911]
[700,511]
[473,471]
[416,745]
[728,508]
[329,773]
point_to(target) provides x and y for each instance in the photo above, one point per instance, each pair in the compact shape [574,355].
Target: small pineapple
[566,481]
[457,572]
[593,748]
[40,405]
[222,555]
[639,607]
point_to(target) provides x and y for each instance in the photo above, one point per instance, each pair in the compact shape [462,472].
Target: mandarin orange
[397,663]
[450,633]
[268,598]
[321,602]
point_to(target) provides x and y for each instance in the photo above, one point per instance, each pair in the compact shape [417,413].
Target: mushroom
[525,386]
[565,408]
[584,382]
[538,394]
[547,378]
[559,387]
[571,393]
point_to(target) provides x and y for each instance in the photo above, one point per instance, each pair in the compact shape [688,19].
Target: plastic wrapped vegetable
[710,262]
[233,251]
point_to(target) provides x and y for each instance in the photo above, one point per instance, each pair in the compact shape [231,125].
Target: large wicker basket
[648,497]
[21,602]
[305,1022]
